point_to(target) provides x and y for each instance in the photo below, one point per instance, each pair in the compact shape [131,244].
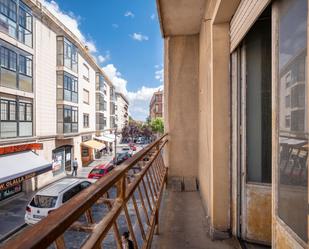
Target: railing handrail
[53,226]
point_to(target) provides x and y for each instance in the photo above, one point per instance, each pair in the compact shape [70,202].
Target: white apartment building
[122,115]
[52,93]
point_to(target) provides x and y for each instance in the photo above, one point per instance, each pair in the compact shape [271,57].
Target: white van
[52,197]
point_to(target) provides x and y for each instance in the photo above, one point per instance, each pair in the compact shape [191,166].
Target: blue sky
[125,38]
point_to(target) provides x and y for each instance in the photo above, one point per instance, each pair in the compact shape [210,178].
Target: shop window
[293,128]
[85,152]
[258,100]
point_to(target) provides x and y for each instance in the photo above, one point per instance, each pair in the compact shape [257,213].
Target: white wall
[45,80]
[90,86]
[107,114]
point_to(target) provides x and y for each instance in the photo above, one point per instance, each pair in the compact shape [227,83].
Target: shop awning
[22,165]
[106,138]
[93,144]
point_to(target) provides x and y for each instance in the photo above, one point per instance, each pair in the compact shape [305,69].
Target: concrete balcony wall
[181,90]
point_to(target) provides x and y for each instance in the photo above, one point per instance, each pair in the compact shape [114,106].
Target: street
[12,213]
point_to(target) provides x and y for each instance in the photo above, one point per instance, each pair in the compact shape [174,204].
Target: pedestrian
[111,149]
[75,166]
[126,242]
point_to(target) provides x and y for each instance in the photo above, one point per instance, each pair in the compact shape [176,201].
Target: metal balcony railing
[128,199]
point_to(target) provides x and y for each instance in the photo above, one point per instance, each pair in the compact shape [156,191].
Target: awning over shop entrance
[106,138]
[93,145]
[17,167]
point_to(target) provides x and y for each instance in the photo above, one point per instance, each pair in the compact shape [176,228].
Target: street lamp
[115,161]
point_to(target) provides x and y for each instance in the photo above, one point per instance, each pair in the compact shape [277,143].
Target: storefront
[19,165]
[91,150]
[62,159]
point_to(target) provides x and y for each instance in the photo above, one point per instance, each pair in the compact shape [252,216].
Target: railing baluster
[139,220]
[59,243]
[131,230]
[152,183]
[146,193]
[151,193]
[154,176]
[143,204]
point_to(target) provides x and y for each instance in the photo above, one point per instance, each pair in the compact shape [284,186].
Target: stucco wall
[90,87]
[182,91]
[205,124]
[45,80]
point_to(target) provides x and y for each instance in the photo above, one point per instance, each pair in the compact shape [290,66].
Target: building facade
[156,105]
[122,115]
[54,96]
[241,92]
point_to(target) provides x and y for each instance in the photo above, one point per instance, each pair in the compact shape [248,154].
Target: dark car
[121,157]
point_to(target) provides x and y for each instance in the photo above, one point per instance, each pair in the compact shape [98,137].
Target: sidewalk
[12,214]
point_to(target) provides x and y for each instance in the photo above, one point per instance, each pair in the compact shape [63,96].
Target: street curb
[12,232]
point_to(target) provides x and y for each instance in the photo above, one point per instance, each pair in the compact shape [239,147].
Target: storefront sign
[19,148]
[86,138]
[10,191]
[16,181]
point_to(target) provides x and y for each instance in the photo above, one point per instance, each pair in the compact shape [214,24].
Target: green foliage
[157,125]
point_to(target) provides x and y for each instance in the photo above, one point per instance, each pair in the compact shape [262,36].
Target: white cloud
[70,21]
[139,37]
[153,16]
[104,58]
[116,26]
[139,100]
[159,75]
[129,14]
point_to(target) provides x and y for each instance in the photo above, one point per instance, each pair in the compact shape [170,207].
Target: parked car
[132,147]
[100,171]
[121,157]
[52,197]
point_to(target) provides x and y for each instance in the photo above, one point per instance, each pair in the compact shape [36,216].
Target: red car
[100,171]
[132,146]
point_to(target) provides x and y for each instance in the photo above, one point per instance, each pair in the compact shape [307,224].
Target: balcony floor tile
[183,224]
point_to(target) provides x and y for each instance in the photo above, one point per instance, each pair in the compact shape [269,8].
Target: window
[100,121]
[10,61]
[258,100]
[25,25]
[292,122]
[8,17]
[71,193]
[86,120]
[67,119]
[67,54]
[86,96]
[16,119]
[10,22]
[70,85]
[85,72]
[25,65]
[100,102]
[85,152]
[287,101]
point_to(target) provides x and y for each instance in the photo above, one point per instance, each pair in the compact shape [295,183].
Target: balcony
[133,198]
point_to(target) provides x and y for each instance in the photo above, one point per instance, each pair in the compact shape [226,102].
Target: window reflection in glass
[293,128]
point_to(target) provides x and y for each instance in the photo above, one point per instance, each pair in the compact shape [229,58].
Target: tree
[157,125]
